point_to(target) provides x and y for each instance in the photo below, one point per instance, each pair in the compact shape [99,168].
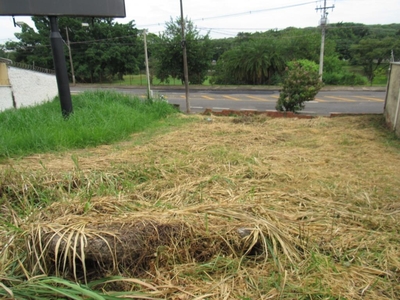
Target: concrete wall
[32,88]
[28,87]
[392,103]
[6,101]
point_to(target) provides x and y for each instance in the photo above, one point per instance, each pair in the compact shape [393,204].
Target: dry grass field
[220,208]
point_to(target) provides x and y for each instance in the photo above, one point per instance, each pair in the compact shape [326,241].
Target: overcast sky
[225,18]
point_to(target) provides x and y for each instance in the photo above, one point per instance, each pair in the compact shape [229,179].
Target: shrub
[332,64]
[332,78]
[336,74]
[301,83]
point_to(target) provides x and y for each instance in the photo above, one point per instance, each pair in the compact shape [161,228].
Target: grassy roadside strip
[140,80]
[100,117]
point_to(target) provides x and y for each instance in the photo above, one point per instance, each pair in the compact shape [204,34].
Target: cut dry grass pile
[235,208]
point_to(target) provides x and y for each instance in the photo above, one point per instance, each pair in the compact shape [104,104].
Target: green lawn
[141,80]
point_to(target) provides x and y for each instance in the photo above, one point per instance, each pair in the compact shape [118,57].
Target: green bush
[381,75]
[335,73]
[332,78]
[301,83]
[332,64]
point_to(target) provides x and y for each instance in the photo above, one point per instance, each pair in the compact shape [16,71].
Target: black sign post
[61,68]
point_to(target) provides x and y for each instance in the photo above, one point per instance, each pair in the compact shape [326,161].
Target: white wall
[30,87]
[5,98]
[392,105]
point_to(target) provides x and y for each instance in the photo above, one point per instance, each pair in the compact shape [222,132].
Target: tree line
[106,50]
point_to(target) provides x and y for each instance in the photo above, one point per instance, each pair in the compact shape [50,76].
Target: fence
[9,62]
[32,68]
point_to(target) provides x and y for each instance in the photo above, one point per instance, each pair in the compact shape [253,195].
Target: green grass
[98,118]
[43,287]
[380,78]
[141,80]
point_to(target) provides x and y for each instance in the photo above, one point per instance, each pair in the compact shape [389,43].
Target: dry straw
[223,208]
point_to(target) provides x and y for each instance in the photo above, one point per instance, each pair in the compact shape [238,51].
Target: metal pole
[147,65]
[185,65]
[61,68]
[70,58]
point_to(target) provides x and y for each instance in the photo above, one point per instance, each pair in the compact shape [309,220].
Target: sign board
[76,8]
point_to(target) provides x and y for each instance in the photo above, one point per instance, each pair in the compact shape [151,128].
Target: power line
[240,13]
[225,33]
[254,11]
[235,28]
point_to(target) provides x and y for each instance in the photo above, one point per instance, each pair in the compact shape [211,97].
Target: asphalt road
[326,102]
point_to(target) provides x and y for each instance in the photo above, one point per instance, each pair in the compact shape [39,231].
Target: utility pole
[185,65]
[147,65]
[324,21]
[70,57]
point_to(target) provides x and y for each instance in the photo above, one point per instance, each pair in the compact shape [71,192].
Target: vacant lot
[221,208]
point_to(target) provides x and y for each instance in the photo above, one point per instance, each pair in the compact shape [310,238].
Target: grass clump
[99,118]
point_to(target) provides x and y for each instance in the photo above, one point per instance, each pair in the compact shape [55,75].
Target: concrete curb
[280,114]
[228,88]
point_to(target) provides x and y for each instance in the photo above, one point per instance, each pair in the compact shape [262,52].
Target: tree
[260,58]
[383,31]
[220,46]
[253,62]
[302,83]
[32,48]
[372,54]
[345,35]
[169,57]
[6,53]
[100,52]
[3,51]
[114,50]
[256,62]
[303,44]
